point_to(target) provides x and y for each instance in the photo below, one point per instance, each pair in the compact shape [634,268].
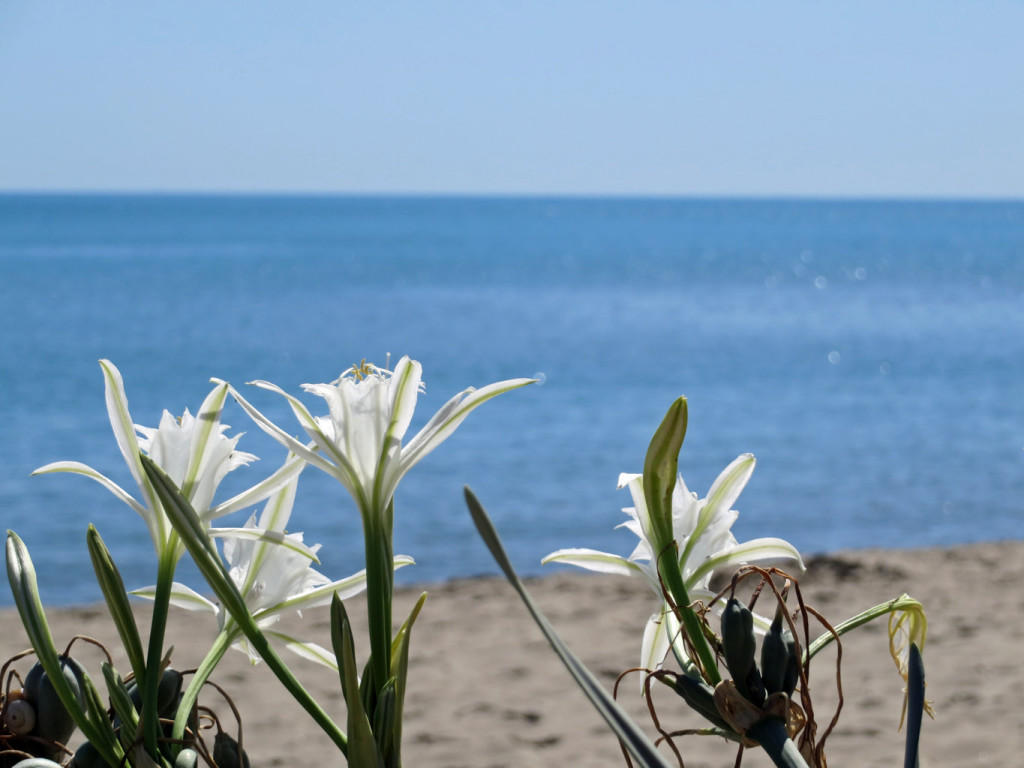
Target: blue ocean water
[870,354]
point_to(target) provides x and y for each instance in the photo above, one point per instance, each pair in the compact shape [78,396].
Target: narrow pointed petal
[345,588]
[756,551]
[592,560]
[341,467]
[121,419]
[655,644]
[635,484]
[262,490]
[445,421]
[181,597]
[731,482]
[277,538]
[289,442]
[308,651]
[403,392]
[78,468]
[209,421]
[723,494]
[124,433]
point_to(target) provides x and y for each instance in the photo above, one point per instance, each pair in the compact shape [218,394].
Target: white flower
[704,539]
[359,441]
[192,450]
[272,569]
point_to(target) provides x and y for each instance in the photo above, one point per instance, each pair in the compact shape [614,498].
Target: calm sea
[871,355]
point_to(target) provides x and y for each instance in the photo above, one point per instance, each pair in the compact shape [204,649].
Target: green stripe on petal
[209,419]
[723,494]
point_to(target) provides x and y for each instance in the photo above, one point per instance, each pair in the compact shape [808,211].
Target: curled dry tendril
[779,585]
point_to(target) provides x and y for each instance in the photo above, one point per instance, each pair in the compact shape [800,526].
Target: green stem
[202,674]
[901,603]
[380,566]
[155,654]
[668,568]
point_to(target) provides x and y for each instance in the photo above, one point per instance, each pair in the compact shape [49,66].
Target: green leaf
[112,586]
[915,705]
[122,704]
[632,738]
[384,724]
[362,749]
[661,467]
[400,668]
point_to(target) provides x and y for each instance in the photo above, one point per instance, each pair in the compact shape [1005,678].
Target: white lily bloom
[192,450]
[359,441]
[273,571]
[704,540]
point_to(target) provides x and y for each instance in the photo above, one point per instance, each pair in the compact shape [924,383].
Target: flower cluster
[704,543]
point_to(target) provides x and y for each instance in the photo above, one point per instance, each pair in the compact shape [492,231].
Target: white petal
[592,560]
[625,478]
[211,454]
[731,482]
[345,588]
[635,483]
[82,469]
[277,538]
[182,597]
[266,488]
[308,651]
[445,421]
[655,645]
[403,390]
[283,437]
[124,433]
[121,419]
[764,551]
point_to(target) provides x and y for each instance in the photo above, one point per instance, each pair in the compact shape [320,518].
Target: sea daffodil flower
[273,571]
[359,441]
[703,539]
[192,450]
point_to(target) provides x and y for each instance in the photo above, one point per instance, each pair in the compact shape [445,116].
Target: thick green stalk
[379,596]
[771,735]
[671,575]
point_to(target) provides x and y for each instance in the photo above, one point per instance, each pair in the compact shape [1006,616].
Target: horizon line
[511,196]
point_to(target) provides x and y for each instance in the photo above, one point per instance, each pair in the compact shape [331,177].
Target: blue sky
[837,98]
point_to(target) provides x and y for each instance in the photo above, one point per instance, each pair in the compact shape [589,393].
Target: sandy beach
[486,691]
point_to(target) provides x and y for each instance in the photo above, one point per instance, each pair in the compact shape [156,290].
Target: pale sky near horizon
[919,98]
